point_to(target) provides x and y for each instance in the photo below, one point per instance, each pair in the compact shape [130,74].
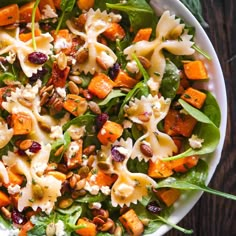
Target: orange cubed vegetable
[194,97]
[101,85]
[57,174]
[114,31]
[143,34]
[75,104]
[9,15]
[195,70]
[87,228]
[26,13]
[124,80]
[103,179]
[21,123]
[168,196]
[85,4]
[25,228]
[27,36]
[73,155]
[132,223]
[159,169]
[57,4]
[184,164]
[14,178]
[177,123]
[4,199]
[109,132]
[58,77]
[44,3]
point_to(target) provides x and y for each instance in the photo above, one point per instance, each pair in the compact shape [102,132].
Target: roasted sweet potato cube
[168,196]
[159,169]
[26,13]
[132,223]
[21,123]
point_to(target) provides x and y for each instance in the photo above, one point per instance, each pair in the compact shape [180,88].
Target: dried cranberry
[18,218]
[101,120]
[116,155]
[154,207]
[21,152]
[35,147]
[38,58]
[39,75]
[114,70]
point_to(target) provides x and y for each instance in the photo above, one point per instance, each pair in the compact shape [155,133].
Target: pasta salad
[102,126]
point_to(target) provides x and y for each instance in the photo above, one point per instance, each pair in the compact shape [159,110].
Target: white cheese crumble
[195,142]
[60,229]
[48,12]
[95,205]
[11,57]
[127,124]
[124,190]
[72,149]
[105,190]
[107,60]
[132,67]
[153,85]
[56,132]
[8,232]
[13,189]
[76,132]
[61,92]
[94,189]
[61,43]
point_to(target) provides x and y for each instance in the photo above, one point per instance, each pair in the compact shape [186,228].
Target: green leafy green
[57,144]
[88,198]
[19,2]
[140,13]
[33,24]
[211,137]
[66,6]
[6,76]
[196,8]
[194,179]
[84,120]
[201,51]
[170,80]
[113,94]
[137,166]
[211,108]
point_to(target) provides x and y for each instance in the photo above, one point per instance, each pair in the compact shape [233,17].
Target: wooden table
[216,216]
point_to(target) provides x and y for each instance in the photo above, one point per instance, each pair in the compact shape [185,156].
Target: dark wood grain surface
[215,216]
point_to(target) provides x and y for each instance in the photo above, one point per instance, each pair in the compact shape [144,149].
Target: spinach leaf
[84,120]
[102,4]
[140,89]
[196,8]
[137,166]
[57,144]
[170,81]
[88,198]
[211,108]
[194,179]
[111,95]
[66,6]
[6,76]
[205,130]
[140,13]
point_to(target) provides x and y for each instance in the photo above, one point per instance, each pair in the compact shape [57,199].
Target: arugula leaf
[170,81]
[140,13]
[196,8]
[6,76]
[201,51]
[194,179]
[57,144]
[66,6]
[211,137]
[18,2]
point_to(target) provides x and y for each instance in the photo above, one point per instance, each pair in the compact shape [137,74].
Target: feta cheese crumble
[195,142]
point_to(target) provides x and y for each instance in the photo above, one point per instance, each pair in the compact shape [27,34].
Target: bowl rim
[216,85]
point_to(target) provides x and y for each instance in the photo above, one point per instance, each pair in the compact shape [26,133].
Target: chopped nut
[145,62]
[80,184]
[82,56]
[73,88]
[76,79]
[65,203]
[89,150]
[146,150]
[25,144]
[93,106]
[101,63]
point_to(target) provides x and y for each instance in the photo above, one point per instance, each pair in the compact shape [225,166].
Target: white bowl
[216,85]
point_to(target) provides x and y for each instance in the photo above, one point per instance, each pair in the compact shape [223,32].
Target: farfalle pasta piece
[4,178]
[167,26]
[129,187]
[10,42]
[149,111]
[13,106]
[34,172]
[97,22]
[5,133]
